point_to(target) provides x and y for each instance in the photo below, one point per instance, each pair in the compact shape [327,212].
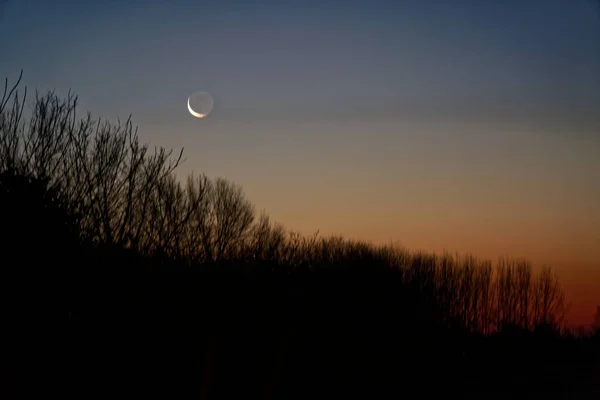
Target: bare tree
[221,218]
[11,125]
[265,241]
[233,215]
[549,303]
[505,297]
[523,293]
[98,168]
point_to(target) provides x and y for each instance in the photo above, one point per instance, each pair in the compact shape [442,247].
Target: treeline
[117,192]
[130,276]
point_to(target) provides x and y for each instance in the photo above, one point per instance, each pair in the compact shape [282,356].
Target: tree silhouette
[179,288]
[220,218]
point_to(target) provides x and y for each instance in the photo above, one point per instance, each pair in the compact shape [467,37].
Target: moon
[194,113]
[200,104]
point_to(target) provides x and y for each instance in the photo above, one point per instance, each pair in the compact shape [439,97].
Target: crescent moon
[194,113]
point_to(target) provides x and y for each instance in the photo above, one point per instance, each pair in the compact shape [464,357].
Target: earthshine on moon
[200,104]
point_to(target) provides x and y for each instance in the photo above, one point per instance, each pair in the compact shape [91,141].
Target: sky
[469,126]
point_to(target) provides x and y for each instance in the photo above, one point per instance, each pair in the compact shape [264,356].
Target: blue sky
[429,59]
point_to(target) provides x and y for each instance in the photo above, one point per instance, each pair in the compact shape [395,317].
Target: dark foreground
[228,333]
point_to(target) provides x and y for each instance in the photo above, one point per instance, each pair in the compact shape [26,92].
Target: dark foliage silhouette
[117,279]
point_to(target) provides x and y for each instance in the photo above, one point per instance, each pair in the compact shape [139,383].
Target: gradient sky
[470,126]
